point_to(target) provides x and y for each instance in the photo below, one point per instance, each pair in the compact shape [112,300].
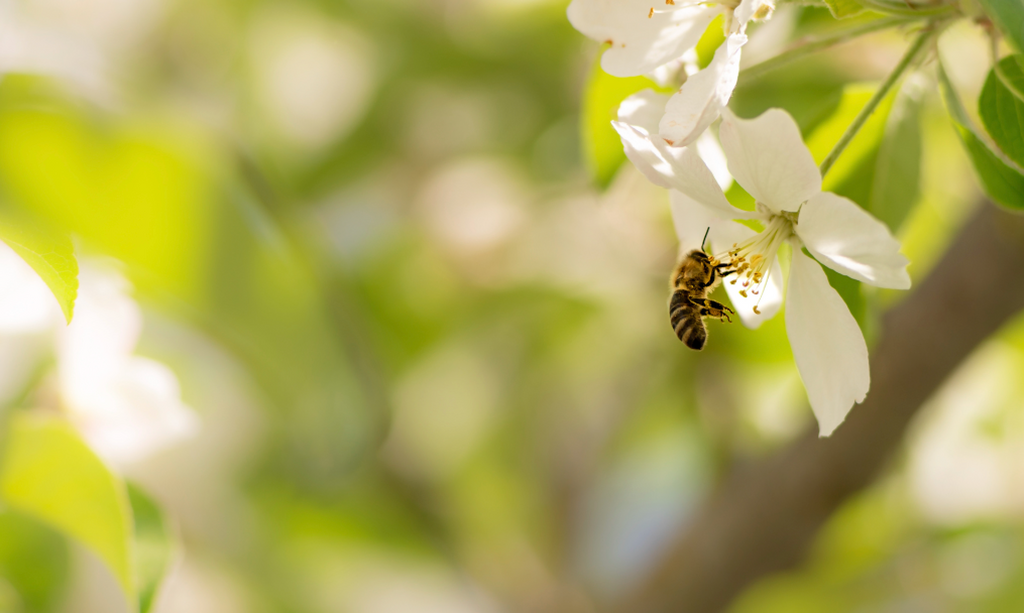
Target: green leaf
[828,133]
[844,8]
[1001,178]
[49,252]
[1001,106]
[34,562]
[1002,183]
[1008,15]
[154,546]
[897,180]
[50,474]
[602,149]
[710,41]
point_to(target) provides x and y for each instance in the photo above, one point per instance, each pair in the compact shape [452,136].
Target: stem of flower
[876,99]
[908,10]
[814,45]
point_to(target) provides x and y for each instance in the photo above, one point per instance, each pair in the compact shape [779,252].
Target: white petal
[139,413]
[692,219]
[676,168]
[847,239]
[94,347]
[639,43]
[643,109]
[667,75]
[769,298]
[746,11]
[711,152]
[827,343]
[769,159]
[701,99]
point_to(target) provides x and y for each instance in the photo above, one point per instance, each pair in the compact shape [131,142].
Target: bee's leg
[711,279]
[728,271]
[712,308]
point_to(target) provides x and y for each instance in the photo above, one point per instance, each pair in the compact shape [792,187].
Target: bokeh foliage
[492,418]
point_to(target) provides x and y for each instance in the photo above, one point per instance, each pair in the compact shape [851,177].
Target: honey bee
[696,275]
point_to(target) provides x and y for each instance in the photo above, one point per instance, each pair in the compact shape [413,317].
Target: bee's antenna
[705,239]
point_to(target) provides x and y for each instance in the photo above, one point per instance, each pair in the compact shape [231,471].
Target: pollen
[757,311]
[763,11]
[650,13]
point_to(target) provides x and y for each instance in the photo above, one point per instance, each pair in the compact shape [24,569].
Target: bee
[696,275]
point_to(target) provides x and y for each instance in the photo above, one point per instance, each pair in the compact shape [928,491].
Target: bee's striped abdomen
[686,320]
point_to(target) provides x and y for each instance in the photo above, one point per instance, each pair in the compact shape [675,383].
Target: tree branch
[764,516]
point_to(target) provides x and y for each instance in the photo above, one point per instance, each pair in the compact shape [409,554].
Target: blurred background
[402,314]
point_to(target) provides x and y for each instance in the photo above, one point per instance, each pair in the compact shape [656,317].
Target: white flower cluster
[768,158]
[644,40]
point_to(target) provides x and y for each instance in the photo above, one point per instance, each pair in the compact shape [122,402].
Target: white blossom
[767,157]
[647,40]
[700,100]
[643,35]
[126,407]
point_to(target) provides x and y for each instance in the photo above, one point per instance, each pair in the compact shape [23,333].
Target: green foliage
[195,240]
[826,135]
[896,187]
[1001,107]
[1002,181]
[48,251]
[33,563]
[1008,15]
[50,474]
[602,149]
[154,546]
[842,9]
[805,88]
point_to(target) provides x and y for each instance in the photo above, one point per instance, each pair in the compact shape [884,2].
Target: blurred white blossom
[125,406]
[315,80]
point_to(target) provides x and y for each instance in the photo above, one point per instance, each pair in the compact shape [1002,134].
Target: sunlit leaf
[602,149]
[154,546]
[160,200]
[1003,182]
[48,251]
[897,179]
[50,474]
[1001,106]
[828,133]
[1008,15]
[844,8]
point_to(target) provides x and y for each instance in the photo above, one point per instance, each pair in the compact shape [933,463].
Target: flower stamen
[751,260]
